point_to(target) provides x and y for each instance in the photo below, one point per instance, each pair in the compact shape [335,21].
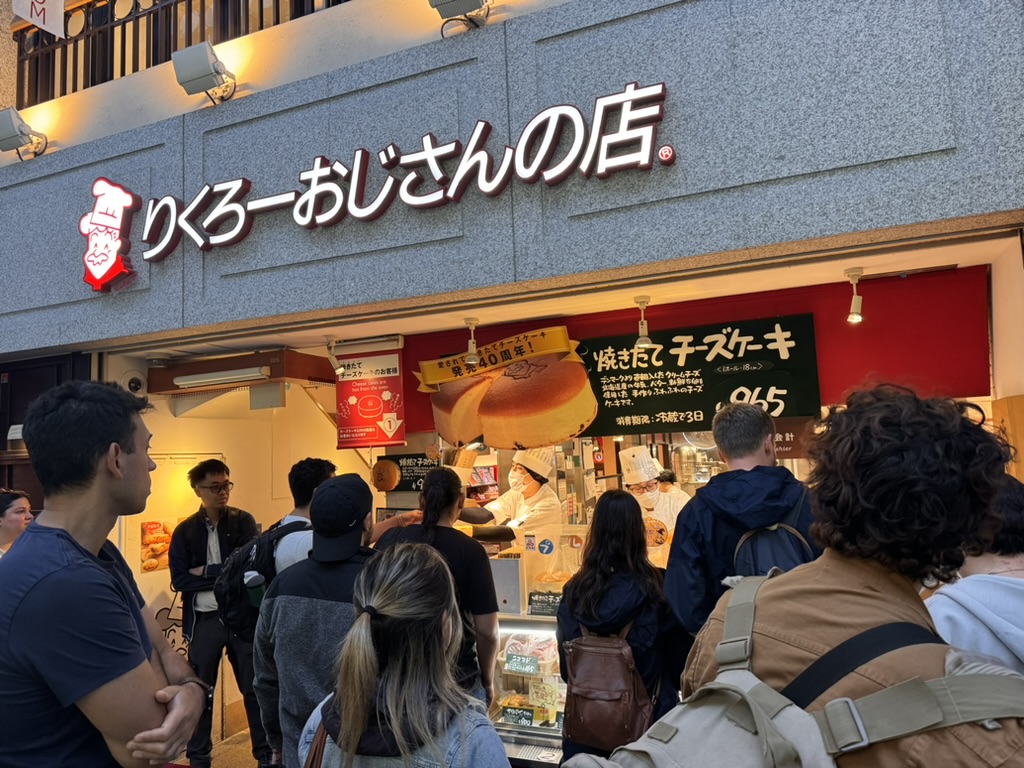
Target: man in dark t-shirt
[474,587]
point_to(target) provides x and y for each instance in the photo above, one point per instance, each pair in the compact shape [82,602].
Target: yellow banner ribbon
[545,341]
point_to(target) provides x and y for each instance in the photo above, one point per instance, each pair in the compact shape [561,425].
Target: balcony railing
[108,39]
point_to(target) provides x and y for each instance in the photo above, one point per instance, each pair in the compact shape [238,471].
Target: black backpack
[779,546]
[237,605]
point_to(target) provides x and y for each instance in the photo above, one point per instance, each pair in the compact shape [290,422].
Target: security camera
[134,382]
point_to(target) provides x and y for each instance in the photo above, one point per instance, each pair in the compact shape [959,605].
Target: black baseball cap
[339,506]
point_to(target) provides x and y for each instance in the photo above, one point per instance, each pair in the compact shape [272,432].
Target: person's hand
[185,704]
[489,693]
[412,517]
[197,571]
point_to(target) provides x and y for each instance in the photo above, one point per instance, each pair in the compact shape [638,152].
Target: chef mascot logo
[106,229]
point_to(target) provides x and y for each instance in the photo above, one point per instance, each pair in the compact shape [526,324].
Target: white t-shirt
[295,547]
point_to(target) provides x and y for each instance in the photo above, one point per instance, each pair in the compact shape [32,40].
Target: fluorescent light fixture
[643,341]
[235,376]
[198,70]
[15,133]
[361,346]
[853,275]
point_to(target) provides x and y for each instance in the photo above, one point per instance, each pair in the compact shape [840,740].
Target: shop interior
[260,430]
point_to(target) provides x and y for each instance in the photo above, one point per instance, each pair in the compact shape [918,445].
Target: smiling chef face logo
[106,229]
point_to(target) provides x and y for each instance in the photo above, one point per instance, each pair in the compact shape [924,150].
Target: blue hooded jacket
[711,525]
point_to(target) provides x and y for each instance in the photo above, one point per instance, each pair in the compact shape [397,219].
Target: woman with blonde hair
[396,702]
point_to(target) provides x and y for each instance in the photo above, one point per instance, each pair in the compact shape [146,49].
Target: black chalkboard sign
[414,468]
[517,715]
[544,603]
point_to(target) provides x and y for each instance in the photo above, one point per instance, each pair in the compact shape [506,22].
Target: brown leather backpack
[606,703]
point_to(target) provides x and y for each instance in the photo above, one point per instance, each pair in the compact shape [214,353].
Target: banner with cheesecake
[528,391]
[679,381]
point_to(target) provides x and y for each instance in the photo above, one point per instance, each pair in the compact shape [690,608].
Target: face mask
[516,481]
[651,498]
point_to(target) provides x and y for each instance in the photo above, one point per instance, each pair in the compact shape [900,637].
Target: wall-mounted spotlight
[472,358]
[15,133]
[450,9]
[853,274]
[198,70]
[643,341]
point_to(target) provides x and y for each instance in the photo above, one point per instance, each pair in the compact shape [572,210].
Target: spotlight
[472,358]
[15,133]
[853,275]
[198,70]
[643,341]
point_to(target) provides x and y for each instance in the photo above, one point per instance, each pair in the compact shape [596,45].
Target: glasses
[643,487]
[218,488]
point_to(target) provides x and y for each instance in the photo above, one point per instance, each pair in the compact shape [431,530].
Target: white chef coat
[660,522]
[540,514]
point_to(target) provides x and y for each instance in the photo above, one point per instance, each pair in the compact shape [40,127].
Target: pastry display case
[529,695]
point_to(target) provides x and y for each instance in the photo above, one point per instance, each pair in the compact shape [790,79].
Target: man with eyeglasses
[640,476]
[200,544]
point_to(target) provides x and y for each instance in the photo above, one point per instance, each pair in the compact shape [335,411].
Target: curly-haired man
[902,489]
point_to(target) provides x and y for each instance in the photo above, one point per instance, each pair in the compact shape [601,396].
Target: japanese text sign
[414,468]
[371,410]
[621,136]
[678,383]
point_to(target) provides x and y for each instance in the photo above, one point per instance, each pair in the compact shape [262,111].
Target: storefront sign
[517,715]
[371,410]
[543,695]
[622,135]
[414,468]
[679,383]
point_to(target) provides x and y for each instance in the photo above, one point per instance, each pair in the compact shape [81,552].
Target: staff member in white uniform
[530,506]
[640,477]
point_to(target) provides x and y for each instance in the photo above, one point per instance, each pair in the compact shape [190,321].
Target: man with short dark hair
[902,489]
[303,479]
[87,679]
[307,611]
[753,494]
[199,545]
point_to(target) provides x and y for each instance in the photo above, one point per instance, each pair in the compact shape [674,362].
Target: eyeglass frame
[637,488]
[217,488]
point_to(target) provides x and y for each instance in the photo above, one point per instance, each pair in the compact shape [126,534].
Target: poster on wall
[371,411]
[680,381]
[154,541]
[526,391]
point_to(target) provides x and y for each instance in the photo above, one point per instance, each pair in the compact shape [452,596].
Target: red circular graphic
[667,155]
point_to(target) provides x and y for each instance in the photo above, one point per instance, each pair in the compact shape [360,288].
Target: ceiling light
[643,341]
[15,133]
[853,274]
[238,375]
[472,358]
[198,70]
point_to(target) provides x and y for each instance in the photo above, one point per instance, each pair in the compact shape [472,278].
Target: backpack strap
[847,656]
[733,652]
[914,706]
[621,634]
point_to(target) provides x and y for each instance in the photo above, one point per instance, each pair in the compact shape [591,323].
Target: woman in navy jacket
[617,584]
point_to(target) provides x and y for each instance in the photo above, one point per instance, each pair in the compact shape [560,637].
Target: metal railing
[108,39]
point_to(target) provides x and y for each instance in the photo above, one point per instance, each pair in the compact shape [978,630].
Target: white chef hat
[638,466]
[538,460]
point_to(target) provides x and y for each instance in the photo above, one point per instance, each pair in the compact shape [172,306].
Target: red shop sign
[371,407]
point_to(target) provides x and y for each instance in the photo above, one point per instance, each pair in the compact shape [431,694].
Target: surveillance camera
[134,382]
[136,385]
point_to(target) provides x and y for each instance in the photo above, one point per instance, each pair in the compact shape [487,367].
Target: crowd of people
[386,656]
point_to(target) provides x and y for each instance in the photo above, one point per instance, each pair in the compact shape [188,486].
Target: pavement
[233,752]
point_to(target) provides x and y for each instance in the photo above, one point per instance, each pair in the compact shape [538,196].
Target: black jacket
[188,550]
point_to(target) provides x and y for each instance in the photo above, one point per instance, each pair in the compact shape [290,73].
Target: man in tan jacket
[902,488]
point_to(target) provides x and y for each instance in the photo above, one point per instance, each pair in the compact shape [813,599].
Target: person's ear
[113,458]
[368,522]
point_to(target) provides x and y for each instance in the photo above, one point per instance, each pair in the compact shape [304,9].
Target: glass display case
[529,695]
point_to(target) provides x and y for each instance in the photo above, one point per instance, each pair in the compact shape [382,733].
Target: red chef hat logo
[106,229]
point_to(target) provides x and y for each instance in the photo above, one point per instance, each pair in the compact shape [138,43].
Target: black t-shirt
[474,583]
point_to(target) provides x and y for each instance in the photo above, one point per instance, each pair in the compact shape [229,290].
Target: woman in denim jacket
[396,702]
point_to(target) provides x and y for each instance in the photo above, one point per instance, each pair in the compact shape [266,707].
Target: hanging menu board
[678,383]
